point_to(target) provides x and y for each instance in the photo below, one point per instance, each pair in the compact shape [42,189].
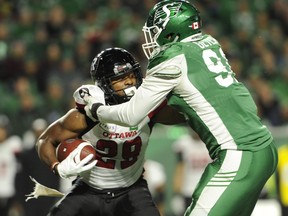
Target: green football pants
[231,185]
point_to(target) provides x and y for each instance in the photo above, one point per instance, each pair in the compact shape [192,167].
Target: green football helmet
[170,21]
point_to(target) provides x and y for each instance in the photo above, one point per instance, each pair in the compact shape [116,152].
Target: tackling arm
[159,82]
[147,98]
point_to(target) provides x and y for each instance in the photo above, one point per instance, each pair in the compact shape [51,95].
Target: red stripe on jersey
[80,106]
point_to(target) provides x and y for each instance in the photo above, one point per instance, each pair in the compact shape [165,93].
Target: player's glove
[68,167]
[94,99]
[87,96]
[92,107]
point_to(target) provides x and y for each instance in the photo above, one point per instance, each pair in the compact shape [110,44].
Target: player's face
[123,82]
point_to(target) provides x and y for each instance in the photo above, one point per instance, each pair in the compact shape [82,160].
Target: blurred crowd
[46,48]
[46,51]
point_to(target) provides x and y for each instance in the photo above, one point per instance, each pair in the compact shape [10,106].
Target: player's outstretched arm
[156,86]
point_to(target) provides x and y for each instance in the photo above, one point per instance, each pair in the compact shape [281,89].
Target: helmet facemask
[110,65]
[124,94]
[151,34]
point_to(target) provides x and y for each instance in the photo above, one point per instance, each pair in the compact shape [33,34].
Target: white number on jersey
[108,149]
[214,65]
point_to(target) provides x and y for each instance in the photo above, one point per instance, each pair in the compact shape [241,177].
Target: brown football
[67,146]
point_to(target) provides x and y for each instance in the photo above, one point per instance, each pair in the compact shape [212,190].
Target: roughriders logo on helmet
[170,21]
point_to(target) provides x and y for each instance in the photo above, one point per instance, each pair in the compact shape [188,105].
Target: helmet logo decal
[84,92]
[166,19]
[93,64]
[168,9]
[119,68]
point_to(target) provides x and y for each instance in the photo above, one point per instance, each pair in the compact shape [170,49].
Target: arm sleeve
[158,83]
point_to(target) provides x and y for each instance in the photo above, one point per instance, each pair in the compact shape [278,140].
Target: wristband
[54,166]
[94,109]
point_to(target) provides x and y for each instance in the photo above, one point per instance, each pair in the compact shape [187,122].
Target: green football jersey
[219,108]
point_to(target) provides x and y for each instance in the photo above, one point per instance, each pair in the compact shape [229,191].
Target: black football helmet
[110,64]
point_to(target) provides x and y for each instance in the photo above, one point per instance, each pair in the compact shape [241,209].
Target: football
[67,146]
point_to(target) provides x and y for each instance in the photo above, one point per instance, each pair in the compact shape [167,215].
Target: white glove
[90,97]
[91,107]
[68,167]
[88,90]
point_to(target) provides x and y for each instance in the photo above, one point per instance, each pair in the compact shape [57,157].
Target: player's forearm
[128,114]
[146,99]
[46,151]
[131,113]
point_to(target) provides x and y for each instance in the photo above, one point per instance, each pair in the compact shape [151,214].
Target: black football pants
[83,200]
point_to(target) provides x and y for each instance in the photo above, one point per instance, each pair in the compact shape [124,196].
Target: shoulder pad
[171,68]
[165,53]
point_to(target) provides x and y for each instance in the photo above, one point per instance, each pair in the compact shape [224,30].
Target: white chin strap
[130,91]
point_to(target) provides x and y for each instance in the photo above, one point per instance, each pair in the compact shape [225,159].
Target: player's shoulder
[206,42]
[165,53]
[171,50]
[168,62]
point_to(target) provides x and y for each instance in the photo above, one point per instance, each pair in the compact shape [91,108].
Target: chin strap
[41,190]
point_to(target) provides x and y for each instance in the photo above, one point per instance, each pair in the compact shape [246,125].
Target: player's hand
[87,95]
[91,108]
[84,91]
[68,167]
[93,101]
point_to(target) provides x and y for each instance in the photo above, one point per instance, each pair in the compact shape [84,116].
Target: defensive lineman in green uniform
[191,70]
